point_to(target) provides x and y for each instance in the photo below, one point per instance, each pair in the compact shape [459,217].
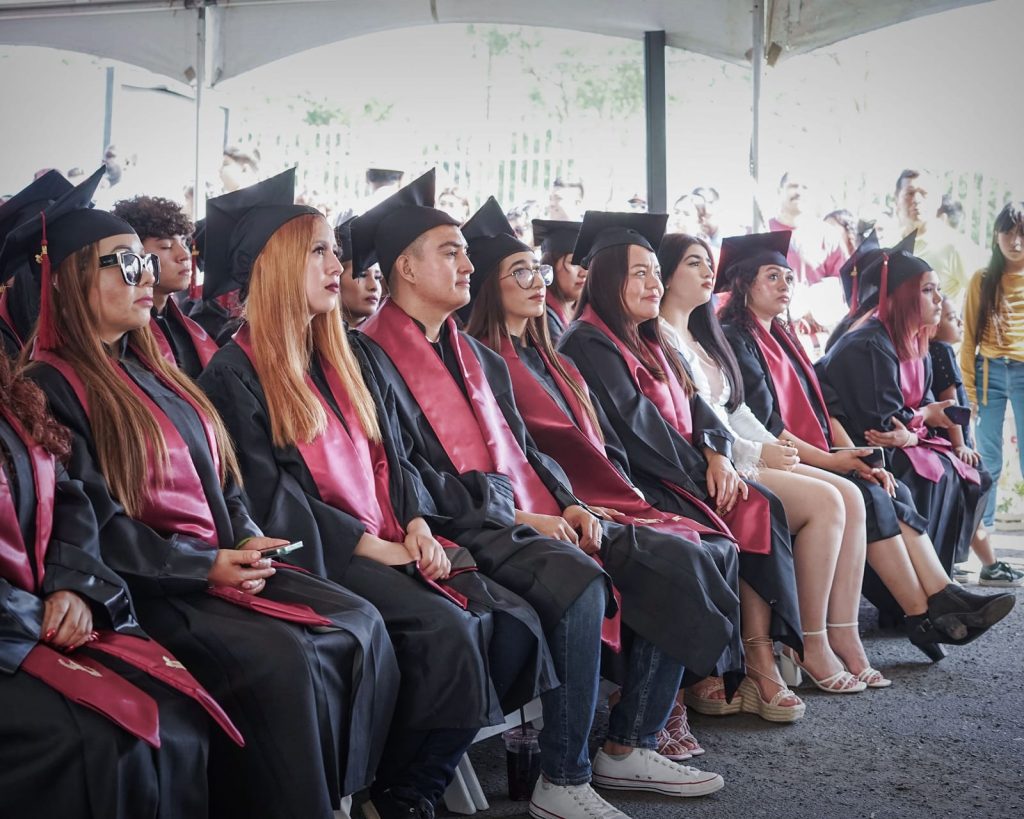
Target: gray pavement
[946,740]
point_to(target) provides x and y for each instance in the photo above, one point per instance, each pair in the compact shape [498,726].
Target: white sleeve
[743,420]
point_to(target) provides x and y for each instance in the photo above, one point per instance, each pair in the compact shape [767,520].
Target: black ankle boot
[923,635]
[964,615]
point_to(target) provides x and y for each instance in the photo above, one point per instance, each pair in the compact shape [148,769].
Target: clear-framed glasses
[133,265]
[525,276]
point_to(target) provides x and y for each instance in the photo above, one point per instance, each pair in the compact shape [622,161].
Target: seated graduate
[217,314]
[824,512]
[507,503]
[19,306]
[678,451]
[659,565]
[85,729]
[361,291]
[319,460]
[877,383]
[166,232]
[556,239]
[304,668]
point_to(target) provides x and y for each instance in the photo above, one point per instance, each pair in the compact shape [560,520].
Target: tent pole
[655,115]
[757,65]
[197,190]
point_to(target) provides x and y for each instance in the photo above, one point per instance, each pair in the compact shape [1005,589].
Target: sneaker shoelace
[588,799]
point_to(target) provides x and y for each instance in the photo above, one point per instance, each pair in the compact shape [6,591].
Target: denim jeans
[1005,383]
[568,710]
[648,692]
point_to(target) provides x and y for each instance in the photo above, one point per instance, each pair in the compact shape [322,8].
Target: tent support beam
[198,197]
[757,65]
[655,114]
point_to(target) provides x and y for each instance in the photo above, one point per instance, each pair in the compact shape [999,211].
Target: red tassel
[47,337]
[883,293]
[194,290]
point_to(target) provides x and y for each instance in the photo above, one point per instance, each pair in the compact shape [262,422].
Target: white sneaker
[646,770]
[570,802]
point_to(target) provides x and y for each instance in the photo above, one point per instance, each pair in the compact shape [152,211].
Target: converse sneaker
[1000,573]
[646,770]
[570,802]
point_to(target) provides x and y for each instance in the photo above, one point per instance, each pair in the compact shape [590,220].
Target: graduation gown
[181,340]
[475,507]
[670,470]
[215,320]
[442,645]
[555,316]
[884,513]
[866,387]
[76,729]
[9,333]
[312,693]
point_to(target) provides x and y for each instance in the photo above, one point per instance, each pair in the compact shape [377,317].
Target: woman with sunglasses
[304,668]
[678,451]
[671,574]
[320,462]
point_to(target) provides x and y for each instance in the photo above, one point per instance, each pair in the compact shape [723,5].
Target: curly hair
[154,217]
[27,403]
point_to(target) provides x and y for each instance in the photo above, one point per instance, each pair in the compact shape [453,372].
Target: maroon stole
[794,402]
[925,456]
[350,471]
[473,432]
[178,505]
[205,346]
[577,447]
[555,304]
[749,522]
[5,314]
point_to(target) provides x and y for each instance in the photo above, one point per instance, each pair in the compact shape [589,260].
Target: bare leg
[981,545]
[757,618]
[926,562]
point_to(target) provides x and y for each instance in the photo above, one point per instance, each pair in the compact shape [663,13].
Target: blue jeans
[648,692]
[1005,383]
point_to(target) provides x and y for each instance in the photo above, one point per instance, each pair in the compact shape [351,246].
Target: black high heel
[965,616]
[923,636]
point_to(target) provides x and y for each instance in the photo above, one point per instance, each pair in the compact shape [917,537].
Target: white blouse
[713,387]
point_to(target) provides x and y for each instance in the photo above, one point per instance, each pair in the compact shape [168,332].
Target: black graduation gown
[213,317]
[884,512]
[180,341]
[9,339]
[860,379]
[477,509]
[59,758]
[313,704]
[658,453]
[556,327]
[442,649]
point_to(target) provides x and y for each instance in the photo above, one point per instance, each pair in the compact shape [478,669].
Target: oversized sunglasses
[526,276]
[133,265]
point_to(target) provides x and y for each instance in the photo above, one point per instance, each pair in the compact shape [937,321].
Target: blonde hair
[284,340]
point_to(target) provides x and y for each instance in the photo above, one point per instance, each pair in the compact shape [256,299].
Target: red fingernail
[51,634]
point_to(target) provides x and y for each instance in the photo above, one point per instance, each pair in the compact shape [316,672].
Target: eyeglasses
[133,265]
[526,276]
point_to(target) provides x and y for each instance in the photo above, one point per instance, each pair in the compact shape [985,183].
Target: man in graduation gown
[165,231]
[508,504]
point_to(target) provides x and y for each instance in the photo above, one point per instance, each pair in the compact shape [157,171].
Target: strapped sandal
[752,701]
[678,729]
[871,677]
[838,683]
[697,698]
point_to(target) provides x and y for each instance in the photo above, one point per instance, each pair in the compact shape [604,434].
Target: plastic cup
[522,759]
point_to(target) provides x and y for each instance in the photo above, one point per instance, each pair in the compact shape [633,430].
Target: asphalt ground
[946,740]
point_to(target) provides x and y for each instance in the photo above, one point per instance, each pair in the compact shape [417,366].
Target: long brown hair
[487,323]
[904,321]
[123,429]
[284,340]
[606,281]
[27,403]
[990,304]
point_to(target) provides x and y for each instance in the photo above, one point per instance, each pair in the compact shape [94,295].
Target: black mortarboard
[490,238]
[389,227]
[752,250]
[66,225]
[27,202]
[239,224]
[898,265]
[343,236]
[383,176]
[603,229]
[555,236]
[867,253]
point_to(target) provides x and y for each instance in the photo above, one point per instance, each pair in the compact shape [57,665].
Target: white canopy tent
[208,41]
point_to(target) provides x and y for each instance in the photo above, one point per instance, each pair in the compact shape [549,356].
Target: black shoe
[923,635]
[398,803]
[965,616]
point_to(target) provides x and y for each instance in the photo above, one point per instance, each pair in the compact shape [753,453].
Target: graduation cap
[603,229]
[868,252]
[27,202]
[491,238]
[198,248]
[238,226]
[63,227]
[752,250]
[898,265]
[555,236]
[389,227]
[343,236]
[383,176]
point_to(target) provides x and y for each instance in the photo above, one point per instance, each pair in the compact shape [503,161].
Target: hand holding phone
[961,416]
[280,551]
[876,458]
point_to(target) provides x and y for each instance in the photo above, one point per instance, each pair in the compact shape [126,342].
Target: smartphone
[958,415]
[281,551]
[875,459]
